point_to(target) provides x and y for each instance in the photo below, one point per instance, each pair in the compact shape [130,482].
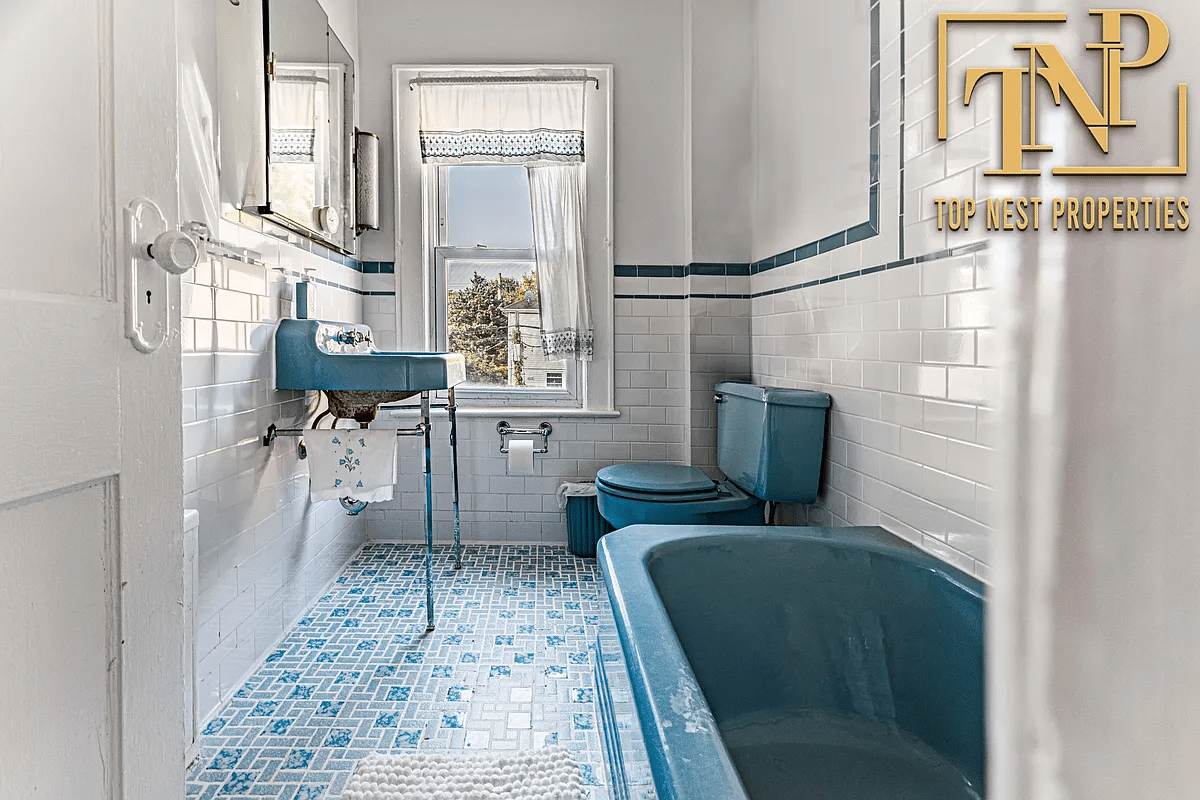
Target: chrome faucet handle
[350,336]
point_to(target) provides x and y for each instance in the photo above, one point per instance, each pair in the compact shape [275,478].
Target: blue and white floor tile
[509,667]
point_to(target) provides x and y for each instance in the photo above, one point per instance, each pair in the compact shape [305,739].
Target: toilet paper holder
[544,430]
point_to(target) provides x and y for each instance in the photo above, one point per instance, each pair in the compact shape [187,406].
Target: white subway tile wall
[379,310]
[265,551]
[651,380]
[719,350]
[906,352]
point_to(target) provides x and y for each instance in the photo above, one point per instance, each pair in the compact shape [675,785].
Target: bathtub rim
[655,648]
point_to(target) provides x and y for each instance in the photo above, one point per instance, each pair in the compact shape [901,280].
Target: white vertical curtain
[556,195]
[481,118]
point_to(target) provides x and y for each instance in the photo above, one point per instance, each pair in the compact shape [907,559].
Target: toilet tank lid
[774,396]
[654,477]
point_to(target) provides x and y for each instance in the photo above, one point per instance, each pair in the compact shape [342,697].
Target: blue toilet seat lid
[654,478]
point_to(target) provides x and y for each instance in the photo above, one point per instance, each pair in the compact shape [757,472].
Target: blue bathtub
[815,663]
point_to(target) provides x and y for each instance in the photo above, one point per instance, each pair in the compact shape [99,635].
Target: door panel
[58,577]
[60,394]
[52,162]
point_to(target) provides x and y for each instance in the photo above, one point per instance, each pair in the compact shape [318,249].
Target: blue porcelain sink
[340,357]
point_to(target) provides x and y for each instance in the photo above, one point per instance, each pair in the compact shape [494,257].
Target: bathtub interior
[839,646]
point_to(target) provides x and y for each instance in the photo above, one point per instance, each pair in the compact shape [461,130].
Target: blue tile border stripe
[333,284]
[349,261]
[379,267]
[960,250]
[678,270]
[366,267]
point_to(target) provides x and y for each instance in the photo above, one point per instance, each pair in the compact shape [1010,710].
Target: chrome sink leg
[451,408]
[428,516]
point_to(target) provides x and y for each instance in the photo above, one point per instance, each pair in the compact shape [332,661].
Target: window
[486,290]
[465,268]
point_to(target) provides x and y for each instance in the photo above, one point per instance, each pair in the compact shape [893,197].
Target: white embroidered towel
[360,464]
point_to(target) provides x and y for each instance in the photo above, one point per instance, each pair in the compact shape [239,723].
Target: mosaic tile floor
[508,667]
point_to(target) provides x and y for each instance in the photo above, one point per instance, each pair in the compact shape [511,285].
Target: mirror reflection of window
[304,157]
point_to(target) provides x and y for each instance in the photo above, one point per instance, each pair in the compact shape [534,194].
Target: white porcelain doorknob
[174,251]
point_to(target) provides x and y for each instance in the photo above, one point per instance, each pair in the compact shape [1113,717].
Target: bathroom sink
[340,359]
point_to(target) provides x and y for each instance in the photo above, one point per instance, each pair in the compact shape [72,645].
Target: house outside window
[527,362]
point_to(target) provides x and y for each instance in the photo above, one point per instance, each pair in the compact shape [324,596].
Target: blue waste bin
[585,526]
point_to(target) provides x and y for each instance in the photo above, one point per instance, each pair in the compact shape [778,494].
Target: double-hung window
[469,246]
[485,294]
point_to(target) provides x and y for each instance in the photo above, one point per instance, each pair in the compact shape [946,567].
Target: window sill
[510,413]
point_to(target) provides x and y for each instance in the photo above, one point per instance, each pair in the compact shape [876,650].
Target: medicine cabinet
[285,89]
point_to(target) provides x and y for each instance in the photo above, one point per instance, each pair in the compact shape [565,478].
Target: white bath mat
[546,774]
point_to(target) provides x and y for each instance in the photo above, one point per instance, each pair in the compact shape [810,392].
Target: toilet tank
[770,441]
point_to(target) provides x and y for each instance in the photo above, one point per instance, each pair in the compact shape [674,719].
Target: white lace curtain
[556,195]
[480,118]
[293,116]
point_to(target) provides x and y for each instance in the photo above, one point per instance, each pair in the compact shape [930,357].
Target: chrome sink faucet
[351,336]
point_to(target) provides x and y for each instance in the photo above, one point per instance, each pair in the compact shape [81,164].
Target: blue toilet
[769,444]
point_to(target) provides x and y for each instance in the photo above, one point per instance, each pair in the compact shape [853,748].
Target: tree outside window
[496,325]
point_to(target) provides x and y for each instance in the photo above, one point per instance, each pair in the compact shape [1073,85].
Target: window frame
[416,268]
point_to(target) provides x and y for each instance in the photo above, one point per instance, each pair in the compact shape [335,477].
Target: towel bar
[273,431]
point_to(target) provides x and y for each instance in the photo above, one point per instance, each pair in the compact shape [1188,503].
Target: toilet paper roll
[520,457]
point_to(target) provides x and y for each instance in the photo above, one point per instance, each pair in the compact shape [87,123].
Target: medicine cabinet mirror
[285,98]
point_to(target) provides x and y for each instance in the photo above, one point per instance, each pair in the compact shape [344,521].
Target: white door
[91,688]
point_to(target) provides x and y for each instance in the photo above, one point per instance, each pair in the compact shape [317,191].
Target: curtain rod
[470,79]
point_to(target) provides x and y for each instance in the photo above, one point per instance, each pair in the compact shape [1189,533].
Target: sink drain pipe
[353,507]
